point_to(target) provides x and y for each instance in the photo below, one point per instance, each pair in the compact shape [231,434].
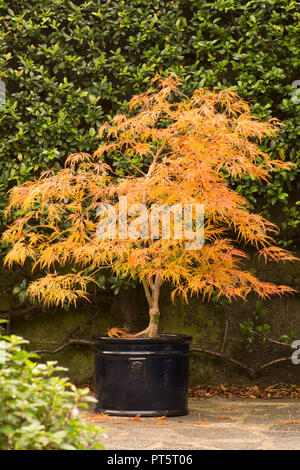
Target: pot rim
[161,338]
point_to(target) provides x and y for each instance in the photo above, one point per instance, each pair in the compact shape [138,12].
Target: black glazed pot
[142,376]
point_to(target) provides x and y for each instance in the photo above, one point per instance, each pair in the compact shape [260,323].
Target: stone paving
[212,424]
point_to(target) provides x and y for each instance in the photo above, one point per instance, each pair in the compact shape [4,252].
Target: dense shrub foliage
[68,64]
[38,409]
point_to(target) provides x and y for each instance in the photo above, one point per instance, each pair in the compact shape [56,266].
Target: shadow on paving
[212,423]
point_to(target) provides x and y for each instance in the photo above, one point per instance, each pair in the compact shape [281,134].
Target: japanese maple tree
[181,151]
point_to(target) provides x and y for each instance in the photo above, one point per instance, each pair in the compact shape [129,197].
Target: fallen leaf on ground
[223,417]
[280,390]
[136,418]
[96,417]
[291,421]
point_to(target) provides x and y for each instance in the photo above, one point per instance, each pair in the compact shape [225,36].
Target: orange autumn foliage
[193,147]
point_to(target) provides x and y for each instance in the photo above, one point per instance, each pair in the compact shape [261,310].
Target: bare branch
[276,361]
[147,292]
[65,344]
[225,334]
[252,372]
[271,340]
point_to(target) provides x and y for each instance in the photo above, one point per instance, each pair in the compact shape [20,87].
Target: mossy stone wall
[204,321]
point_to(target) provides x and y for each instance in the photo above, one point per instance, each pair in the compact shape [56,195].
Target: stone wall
[205,321]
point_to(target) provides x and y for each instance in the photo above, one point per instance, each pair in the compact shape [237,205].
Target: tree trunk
[152,328]
[154,313]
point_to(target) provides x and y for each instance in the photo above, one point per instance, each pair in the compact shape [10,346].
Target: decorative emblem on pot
[137,368]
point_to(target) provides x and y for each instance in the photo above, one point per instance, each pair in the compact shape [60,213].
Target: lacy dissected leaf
[195,145]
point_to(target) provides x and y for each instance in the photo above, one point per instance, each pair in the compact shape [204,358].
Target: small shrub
[39,411]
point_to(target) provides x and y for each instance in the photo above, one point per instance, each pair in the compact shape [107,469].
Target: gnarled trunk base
[152,328]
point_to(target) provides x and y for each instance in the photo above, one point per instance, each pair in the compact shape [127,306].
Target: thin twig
[250,371]
[89,320]
[151,169]
[65,344]
[271,340]
[225,334]
[276,361]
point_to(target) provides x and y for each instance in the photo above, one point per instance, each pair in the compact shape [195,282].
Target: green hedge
[67,65]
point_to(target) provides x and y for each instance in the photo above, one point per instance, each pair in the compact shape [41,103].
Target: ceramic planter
[142,376]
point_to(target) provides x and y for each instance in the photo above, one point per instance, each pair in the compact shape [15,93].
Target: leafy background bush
[38,409]
[67,65]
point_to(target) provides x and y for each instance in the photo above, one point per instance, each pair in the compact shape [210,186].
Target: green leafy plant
[121,282]
[289,338]
[254,325]
[20,291]
[39,410]
[254,328]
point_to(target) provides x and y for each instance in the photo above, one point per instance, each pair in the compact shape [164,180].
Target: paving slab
[212,424]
